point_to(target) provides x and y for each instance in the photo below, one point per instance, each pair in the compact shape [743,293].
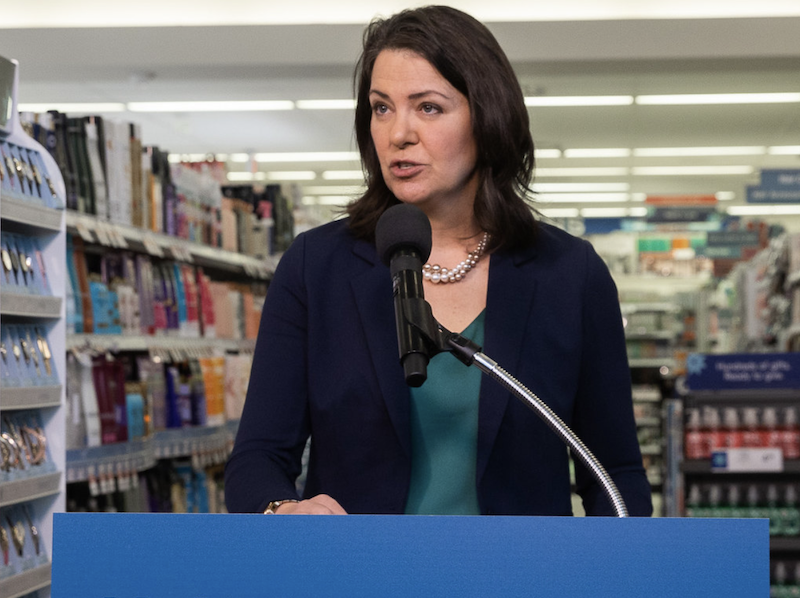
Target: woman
[441,124]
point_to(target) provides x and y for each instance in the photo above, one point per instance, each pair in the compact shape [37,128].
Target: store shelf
[31,397]
[784,544]
[117,342]
[94,230]
[110,459]
[31,488]
[185,442]
[30,306]
[648,307]
[704,466]
[648,421]
[665,285]
[141,454]
[25,582]
[31,215]
[657,335]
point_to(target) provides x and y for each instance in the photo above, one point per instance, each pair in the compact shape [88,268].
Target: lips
[405,168]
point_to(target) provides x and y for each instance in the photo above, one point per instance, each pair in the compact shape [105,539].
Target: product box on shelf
[21,543]
[24,446]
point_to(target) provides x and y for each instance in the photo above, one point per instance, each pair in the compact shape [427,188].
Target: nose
[403,130]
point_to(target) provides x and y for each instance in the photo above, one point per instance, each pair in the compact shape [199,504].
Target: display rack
[749,466]
[33,212]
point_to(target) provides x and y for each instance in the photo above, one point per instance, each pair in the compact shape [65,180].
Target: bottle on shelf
[790,512]
[790,434]
[732,428]
[751,435]
[771,435]
[773,512]
[712,429]
[777,586]
[695,445]
[735,510]
[755,510]
[715,508]
[694,502]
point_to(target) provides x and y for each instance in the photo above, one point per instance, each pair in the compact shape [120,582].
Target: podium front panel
[105,555]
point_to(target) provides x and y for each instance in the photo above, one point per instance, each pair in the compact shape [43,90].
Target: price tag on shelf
[119,238]
[182,254]
[747,460]
[101,230]
[84,232]
[152,247]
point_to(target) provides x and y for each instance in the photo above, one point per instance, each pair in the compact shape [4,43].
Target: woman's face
[422,131]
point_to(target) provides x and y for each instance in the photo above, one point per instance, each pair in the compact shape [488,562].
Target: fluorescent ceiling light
[242,158]
[717,98]
[604,212]
[292,175]
[343,175]
[690,170]
[327,200]
[221,106]
[547,153]
[541,101]
[325,104]
[579,187]
[334,190]
[600,171]
[82,107]
[661,152]
[307,157]
[598,152]
[637,212]
[247,176]
[560,212]
[581,197]
[725,195]
[784,150]
[763,210]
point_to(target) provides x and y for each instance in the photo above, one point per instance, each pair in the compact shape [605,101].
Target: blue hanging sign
[777,186]
[740,371]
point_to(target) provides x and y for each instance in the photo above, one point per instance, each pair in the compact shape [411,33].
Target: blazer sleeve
[266,458]
[603,414]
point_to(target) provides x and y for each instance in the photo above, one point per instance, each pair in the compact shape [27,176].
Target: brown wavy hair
[468,56]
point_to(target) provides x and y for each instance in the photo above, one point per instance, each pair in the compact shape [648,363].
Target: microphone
[403,240]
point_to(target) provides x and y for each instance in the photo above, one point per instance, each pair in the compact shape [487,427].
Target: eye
[379,108]
[430,108]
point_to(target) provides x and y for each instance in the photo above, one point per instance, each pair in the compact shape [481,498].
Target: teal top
[444,435]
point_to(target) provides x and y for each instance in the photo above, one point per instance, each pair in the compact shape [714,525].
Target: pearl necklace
[435,273]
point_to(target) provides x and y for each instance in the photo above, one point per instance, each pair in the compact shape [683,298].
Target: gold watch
[273,505]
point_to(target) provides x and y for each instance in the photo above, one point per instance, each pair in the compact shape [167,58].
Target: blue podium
[256,556]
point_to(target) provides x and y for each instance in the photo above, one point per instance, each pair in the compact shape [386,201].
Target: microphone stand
[418,312]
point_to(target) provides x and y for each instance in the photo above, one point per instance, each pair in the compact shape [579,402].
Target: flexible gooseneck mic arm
[469,353]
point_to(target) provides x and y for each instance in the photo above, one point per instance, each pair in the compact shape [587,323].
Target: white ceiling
[615,48]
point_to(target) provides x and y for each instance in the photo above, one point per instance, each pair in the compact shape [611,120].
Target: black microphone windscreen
[403,226]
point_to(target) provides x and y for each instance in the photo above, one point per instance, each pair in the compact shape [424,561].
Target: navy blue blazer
[326,364]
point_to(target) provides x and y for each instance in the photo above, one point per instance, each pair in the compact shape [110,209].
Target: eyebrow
[413,96]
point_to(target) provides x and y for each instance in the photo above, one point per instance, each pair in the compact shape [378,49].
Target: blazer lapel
[508,304]
[378,322]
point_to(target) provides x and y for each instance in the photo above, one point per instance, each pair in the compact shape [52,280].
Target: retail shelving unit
[737,449]
[32,487]
[116,467]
